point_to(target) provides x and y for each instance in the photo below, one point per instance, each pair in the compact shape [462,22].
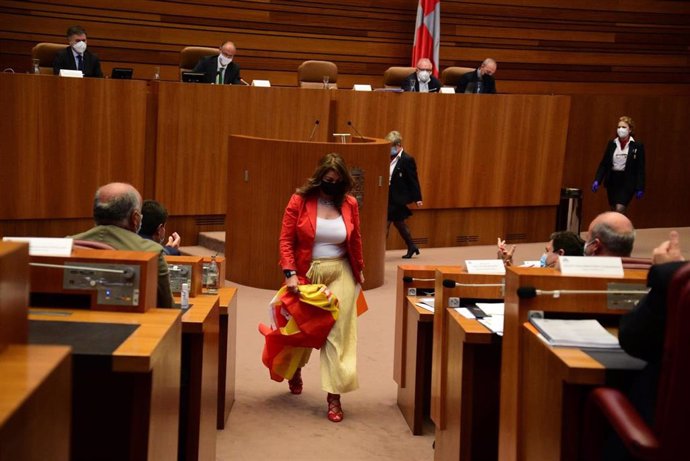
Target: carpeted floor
[267,422]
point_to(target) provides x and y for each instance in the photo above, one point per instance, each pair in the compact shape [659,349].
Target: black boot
[407,237]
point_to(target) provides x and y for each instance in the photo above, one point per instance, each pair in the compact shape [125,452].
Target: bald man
[117,213]
[422,80]
[480,80]
[610,234]
[221,68]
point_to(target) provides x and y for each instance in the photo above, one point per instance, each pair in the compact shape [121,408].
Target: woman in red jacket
[320,241]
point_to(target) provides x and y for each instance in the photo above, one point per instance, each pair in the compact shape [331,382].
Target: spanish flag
[301,322]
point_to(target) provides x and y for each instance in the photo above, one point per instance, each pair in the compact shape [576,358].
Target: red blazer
[299,229]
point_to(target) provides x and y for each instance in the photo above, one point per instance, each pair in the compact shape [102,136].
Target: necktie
[221,76]
[80,62]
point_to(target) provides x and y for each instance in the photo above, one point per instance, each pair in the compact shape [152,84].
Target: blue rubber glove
[639,194]
[595,186]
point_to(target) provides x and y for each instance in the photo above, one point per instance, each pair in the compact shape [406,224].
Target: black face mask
[333,188]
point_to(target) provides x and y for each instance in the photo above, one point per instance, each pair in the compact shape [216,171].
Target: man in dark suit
[76,56]
[480,80]
[220,68]
[153,219]
[422,81]
[403,189]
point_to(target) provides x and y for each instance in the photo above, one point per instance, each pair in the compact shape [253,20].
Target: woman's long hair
[327,163]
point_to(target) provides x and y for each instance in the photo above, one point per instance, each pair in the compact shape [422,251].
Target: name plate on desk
[447,90]
[261,83]
[591,266]
[361,87]
[45,246]
[485,266]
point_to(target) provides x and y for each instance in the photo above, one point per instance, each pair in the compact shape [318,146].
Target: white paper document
[575,333]
[426,303]
[492,308]
[45,246]
[485,266]
[493,323]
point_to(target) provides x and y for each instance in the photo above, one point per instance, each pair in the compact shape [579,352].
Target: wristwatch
[289,273]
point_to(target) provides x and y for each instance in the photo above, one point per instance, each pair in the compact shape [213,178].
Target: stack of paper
[494,319]
[426,303]
[575,333]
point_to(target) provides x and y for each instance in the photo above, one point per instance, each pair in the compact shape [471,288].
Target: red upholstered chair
[45,53]
[190,56]
[668,440]
[90,245]
[310,74]
[394,77]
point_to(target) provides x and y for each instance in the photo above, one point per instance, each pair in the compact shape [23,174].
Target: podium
[263,174]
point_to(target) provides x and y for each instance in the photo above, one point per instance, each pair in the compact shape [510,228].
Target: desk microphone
[452,284]
[349,123]
[244,82]
[313,130]
[408,279]
[531,292]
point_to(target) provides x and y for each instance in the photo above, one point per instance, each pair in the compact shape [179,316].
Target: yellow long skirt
[339,353]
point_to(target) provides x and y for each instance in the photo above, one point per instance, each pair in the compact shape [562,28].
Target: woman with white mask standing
[622,169]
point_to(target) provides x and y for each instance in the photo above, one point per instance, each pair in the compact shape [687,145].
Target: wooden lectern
[264,173]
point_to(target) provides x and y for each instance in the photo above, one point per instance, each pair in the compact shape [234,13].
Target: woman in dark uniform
[404,189]
[621,170]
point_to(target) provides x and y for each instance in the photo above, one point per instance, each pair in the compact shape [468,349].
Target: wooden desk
[199,386]
[558,380]
[132,393]
[227,353]
[415,396]
[511,435]
[413,402]
[465,371]
[35,400]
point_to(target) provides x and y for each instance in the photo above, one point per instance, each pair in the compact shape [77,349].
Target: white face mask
[79,47]
[224,61]
[623,132]
[424,76]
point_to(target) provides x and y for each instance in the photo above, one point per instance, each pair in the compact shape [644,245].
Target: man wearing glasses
[117,213]
[220,69]
[422,80]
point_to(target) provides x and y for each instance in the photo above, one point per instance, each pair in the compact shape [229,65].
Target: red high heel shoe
[335,410]
[295,383]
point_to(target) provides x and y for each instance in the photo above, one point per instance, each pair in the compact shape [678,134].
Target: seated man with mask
[154,217]
[76,57]
[117,214]
[422,81]
[480,80]
[220,68]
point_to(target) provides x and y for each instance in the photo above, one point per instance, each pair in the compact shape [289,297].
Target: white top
[620,156]
[329,241]
[423,86]
[394,161]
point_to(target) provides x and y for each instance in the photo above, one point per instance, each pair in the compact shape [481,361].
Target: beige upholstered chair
[189,57]
[451,75]
[310,74]
[45,53]
[394,77]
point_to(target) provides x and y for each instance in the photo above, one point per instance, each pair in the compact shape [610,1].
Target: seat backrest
[394,77]
[45,53]
[673,404]
[451,75]
[91,245]
[190,55]
[310,74]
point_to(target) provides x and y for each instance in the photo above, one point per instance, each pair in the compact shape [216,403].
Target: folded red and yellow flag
[301,322]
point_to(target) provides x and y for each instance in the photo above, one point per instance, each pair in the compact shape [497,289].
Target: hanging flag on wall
[427,37]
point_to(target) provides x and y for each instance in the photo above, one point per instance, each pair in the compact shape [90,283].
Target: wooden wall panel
[469,148]
[661,126]
[66,137]
[193,126]
[605,42]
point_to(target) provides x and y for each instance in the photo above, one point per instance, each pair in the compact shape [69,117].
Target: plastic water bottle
[184,296]
[213,276]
